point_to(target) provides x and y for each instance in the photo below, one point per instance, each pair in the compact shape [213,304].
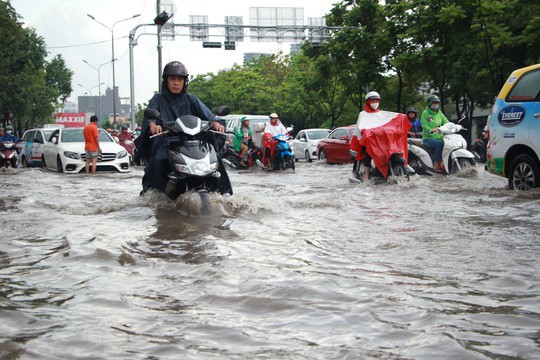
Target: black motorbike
[233,158]
[192,157]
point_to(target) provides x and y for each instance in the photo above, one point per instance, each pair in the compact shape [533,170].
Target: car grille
[102,157]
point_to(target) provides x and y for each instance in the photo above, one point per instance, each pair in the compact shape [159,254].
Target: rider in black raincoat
[173,102]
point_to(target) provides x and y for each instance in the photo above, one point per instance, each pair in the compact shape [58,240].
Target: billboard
[71,119]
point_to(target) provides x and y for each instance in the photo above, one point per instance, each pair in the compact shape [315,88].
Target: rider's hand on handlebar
[436,130]
[218,127]
[155,129]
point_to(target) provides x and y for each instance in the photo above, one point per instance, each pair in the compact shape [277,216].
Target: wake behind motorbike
[455,155]
[192,157]
[9,156]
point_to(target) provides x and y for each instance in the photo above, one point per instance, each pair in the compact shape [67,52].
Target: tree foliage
[30,86]
[405,49]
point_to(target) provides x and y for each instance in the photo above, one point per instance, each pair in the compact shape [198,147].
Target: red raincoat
[380,134]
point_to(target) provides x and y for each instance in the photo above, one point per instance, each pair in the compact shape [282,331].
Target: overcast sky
[68,31]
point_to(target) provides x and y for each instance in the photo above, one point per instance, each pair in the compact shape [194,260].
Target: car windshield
[319,134]
[47,134]
[76,135]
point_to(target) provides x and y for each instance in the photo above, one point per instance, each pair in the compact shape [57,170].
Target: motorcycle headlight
[122,154]
[198,168]
[71,155]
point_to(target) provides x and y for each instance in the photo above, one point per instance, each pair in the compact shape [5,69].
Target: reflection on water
[295,265]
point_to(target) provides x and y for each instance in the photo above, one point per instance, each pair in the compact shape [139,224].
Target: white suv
[513,149]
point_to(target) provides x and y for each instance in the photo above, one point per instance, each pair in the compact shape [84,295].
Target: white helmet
[273,115]
[373,95]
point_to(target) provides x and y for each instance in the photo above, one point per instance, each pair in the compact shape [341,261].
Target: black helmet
[175,68]
[433,98]
[412,109]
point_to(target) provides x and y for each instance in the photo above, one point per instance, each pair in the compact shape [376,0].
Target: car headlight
[71,155]
[122,154]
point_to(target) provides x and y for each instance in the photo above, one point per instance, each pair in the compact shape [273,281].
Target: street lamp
[111,29]
[98,69]
[85,88]
[159,20]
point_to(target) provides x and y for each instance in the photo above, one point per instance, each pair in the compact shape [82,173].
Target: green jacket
[431,120]
[238,136]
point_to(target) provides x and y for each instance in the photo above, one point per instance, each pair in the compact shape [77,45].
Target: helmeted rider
[124,134]
[9,135]
[173,101]
[271,129]
[372,103]
[432,119]
[416,124]
[242,139]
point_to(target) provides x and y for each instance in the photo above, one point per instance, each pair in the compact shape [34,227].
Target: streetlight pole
[98,69]
[111,29]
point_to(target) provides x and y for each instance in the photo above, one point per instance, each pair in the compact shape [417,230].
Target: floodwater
[301,265]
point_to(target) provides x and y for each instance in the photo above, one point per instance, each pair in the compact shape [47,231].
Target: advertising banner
[71,119]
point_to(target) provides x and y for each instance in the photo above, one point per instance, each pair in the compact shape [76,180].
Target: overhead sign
[71,119]
[276,24]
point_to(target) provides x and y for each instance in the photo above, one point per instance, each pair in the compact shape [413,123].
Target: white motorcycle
[455,155]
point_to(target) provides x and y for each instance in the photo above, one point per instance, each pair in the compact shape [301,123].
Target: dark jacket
[170,106]
[154,150]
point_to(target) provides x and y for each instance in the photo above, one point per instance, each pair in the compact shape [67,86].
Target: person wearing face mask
[9,136]
[173,101]
[373,100]
[432,119]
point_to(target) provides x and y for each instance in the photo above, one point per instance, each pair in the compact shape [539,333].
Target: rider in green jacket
[242,138]
[432,119]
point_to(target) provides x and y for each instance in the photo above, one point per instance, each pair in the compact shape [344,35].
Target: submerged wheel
[24,163]
[59,165]
[322,155]
[43,163]
[524,173]
[464,163]
[400,170]
[308,158]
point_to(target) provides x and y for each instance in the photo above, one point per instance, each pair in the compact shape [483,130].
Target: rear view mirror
[151,114]
[223,110]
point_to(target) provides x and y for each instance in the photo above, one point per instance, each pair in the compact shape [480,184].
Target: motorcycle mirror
[223,110]
[151,114]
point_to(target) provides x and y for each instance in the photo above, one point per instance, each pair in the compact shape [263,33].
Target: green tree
[30,87]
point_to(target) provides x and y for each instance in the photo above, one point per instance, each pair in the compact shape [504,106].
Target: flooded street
[301,265]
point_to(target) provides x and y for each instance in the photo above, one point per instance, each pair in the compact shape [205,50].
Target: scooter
[455,155]
[397,167]
[232,158]
[9,155]
[283,155]
[192,157]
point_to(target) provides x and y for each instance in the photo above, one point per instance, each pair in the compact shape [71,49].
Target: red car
[334,149]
